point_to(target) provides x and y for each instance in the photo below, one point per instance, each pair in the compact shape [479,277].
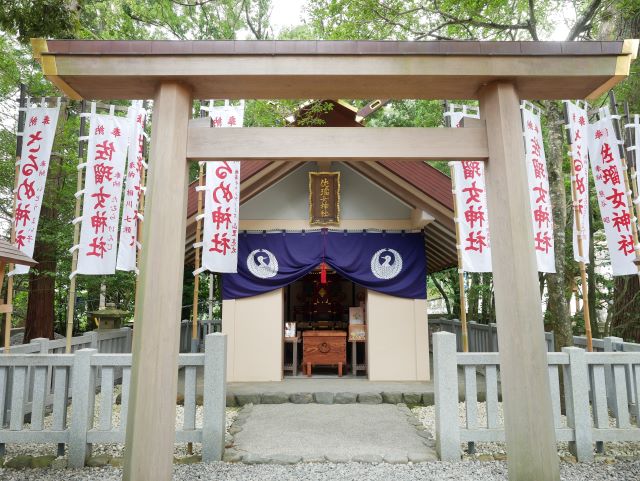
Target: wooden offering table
[324,348]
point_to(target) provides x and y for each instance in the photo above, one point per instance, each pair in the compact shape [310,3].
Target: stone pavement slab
[332,431]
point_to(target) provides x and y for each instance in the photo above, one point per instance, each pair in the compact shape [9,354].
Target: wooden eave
[106,69]
[10,254]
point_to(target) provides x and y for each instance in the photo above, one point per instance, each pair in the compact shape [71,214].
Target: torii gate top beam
[96,69]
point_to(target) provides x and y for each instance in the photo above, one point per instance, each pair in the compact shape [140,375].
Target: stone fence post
[83,398]
[576,388]
[609,346]
[215,396]
[126,346]
[44,344]
[494,337]
[445,371]
[94,340]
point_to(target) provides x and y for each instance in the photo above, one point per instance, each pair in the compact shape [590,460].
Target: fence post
[44,344]
[494,336]
[94,340]
[126,348]
[445,370]
[576,386]
[215,397]
[473,336]
[609,346]
[82,403]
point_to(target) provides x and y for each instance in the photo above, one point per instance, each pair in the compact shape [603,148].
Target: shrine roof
[330,47]
[13,255]
[114,69]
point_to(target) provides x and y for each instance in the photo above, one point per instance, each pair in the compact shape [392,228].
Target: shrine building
[333,260]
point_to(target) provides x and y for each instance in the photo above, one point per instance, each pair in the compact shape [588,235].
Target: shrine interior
[313,306]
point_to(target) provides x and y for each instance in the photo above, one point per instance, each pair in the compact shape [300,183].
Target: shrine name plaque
[324,348]
[324,198]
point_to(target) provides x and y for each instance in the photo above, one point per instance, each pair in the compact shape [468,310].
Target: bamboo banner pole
[71,301]
[196,281]
[140,220]
[463,303]
[22,103]
[633,158]
[633,208]
[578,220]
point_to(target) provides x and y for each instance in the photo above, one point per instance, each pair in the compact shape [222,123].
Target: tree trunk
[626,306]
[40,307]
[442,292]
[452,278]
[487,291]
[473,297]
[557,305]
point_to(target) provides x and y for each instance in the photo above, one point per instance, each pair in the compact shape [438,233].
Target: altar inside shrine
[324,325]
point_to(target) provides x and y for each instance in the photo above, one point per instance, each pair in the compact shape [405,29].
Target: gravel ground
[428,418]
[438,471]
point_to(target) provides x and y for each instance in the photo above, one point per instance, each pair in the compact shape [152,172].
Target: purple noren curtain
[393,264]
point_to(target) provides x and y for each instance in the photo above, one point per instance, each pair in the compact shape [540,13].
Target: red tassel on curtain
[323,273]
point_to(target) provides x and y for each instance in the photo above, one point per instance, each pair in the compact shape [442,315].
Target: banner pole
[140,221]
[578,220]
[21,121]
[625,174]
[463,303]
[196,281]
[71,302]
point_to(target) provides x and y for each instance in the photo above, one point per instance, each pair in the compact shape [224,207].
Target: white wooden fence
[64,381]
[597,386]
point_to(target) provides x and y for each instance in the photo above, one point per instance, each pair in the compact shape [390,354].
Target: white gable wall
[359,198]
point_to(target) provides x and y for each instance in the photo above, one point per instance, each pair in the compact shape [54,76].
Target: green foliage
[30,19]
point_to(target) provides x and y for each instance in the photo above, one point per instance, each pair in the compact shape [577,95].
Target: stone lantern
[108,318]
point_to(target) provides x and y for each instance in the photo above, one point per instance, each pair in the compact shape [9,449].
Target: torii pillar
[528,417]
[154,373]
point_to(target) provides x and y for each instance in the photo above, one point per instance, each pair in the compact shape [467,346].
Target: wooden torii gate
[498,74]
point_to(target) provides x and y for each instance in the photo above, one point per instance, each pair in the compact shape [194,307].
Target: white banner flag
[128,244]
[222,201]
[221,206]
[471,204]
[106,156]
[539,197]
[37,141]
[579,131]
[226,115]
[606,166]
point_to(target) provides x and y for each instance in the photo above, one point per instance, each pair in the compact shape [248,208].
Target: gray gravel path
[340,430]
[464,471]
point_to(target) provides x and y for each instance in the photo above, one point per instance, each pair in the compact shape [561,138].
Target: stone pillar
[154,374]
[529,430]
